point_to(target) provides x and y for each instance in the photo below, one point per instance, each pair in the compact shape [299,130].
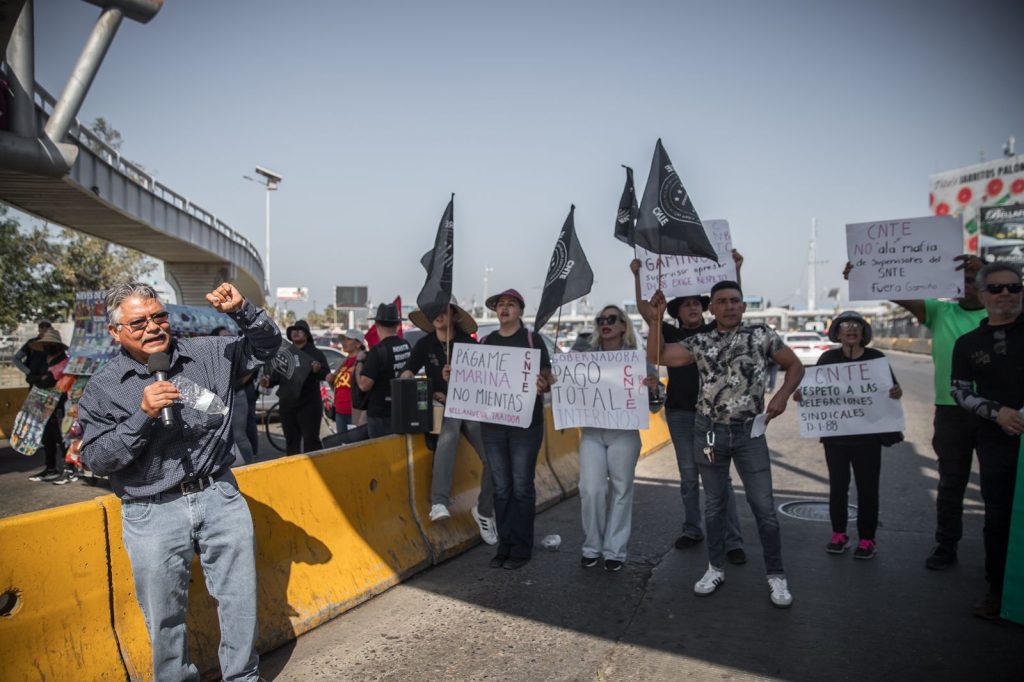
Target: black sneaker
[866,549]
[45,475]
[69,476]
[515,563]
[838,543]
[737,556]
[588,561]
[941,558]
[989,607]
[498,561]
[611,565]
[685,542]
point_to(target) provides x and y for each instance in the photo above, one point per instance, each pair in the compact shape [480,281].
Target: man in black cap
[300,403]
[378,366]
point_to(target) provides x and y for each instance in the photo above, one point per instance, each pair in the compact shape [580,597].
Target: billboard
[350,297]
[292,293]
[963,191]
[1002,233]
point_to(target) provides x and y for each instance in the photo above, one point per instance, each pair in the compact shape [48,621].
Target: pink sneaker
[840,541]
[866,549]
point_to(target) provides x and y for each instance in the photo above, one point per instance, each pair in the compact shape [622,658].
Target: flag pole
[558,327]
[657,362]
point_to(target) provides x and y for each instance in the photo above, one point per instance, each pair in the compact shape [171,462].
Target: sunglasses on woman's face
[1014,288]
[610,319]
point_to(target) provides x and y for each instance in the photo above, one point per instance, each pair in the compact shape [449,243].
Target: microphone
[158,365]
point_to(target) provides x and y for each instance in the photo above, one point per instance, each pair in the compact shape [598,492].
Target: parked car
[808,346]
[266,401]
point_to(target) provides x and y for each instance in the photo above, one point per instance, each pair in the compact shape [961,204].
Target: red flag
[372,337]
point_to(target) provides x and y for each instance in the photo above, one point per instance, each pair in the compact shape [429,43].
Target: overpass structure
[53,167]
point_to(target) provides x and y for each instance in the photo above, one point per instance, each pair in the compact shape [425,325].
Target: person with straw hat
[447,325]
[47,354]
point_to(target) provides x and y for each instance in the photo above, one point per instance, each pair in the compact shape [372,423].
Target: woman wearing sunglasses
[862,452]
[608,455]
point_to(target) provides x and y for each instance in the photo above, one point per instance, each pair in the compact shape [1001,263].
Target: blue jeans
[159,533]
[378,426]
[342,422]
[444,464]
[680,427]
[512,457]
[734,444]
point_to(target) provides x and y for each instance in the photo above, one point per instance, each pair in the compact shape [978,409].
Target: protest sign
[689,275]
[905,259]
[602,389]
[848,398]
[495,384]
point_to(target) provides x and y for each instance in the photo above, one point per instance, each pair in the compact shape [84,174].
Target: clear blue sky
[375,112]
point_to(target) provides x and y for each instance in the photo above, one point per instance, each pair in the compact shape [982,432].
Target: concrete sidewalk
[887,618]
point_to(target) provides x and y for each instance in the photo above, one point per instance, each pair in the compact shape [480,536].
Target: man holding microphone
[173,474]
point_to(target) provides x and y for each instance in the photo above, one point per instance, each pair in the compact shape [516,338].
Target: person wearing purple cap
[512,451]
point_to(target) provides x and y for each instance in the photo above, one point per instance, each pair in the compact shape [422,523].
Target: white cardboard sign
[495,384]
[602,389]
[905,259]
[689,275]
[848,398]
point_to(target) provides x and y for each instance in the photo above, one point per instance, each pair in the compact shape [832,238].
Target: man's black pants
[997,457]
[956,435]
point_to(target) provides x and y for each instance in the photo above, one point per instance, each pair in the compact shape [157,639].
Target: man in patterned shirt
[178,495]
[732,361]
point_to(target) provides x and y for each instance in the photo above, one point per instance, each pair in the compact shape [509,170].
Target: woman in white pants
[608,455]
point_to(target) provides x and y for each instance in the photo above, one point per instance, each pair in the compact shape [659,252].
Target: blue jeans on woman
[512,457]
[734,444]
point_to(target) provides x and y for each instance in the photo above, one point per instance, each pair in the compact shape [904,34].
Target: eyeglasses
[161,318]
[1014,288]
[611,319]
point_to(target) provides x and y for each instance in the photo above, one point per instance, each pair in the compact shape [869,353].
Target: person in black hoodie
[861,452]
[301,405]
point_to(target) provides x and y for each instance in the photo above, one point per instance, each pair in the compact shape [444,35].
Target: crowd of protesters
[718,403]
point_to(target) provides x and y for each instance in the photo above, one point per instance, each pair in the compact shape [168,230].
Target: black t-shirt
[429,355]
[992,358]
[384,362]
[835,356]
[521,340]
[310,390]
[683,382]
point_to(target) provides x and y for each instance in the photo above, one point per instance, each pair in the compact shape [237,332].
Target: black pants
[956,433]
[866,461]
[301,426]
[53,444]
[997,458]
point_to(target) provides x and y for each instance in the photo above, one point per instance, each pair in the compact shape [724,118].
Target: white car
[808,346]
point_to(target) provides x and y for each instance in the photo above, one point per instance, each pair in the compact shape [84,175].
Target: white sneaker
[439,512]
[711,581]
[488,527]
[779,589]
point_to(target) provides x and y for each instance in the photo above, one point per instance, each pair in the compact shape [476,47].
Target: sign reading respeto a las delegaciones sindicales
[906,259]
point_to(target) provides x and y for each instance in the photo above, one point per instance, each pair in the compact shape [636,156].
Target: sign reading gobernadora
[689,275]
[602,389]
[848,398]
[494,384]
[905,259]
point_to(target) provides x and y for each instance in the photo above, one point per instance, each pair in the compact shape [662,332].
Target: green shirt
[948,322]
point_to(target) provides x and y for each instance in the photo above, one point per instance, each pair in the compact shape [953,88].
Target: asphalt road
[888,618]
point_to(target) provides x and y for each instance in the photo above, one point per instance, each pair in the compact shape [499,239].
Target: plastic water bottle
[551,542]
[199,398]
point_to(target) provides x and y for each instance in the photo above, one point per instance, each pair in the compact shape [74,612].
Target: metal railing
[45,103]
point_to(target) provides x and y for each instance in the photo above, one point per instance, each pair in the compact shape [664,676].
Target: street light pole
[270,181]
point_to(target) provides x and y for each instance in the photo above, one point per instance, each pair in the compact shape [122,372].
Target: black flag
[625,219]
[569,275]
[667,223]
[437,289]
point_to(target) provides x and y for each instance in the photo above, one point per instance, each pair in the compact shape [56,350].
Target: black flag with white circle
[437,289]
[569,274]
[667,223]
[625,219]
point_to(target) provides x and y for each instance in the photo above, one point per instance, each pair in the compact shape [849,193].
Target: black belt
[195,485]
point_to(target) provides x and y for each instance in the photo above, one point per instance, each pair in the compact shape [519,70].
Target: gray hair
[119,293]
[999,266]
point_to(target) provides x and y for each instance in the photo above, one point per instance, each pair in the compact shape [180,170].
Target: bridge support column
[192,281]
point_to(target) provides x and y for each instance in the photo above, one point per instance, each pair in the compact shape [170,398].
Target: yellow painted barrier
[55,597]
[332,530]
[11,400]
[657,436]
[562,449]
